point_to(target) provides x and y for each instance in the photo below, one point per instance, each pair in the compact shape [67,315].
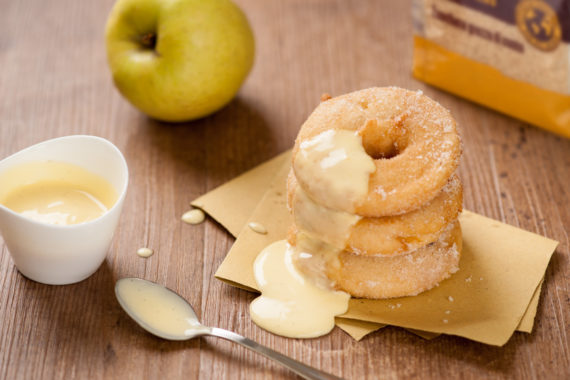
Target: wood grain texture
[54,81]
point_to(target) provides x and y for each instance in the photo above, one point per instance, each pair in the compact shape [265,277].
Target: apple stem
[149,40]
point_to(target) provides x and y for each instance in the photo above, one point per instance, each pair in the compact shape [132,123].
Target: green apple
[178,60]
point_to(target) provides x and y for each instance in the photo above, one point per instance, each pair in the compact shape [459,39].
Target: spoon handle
[299,368]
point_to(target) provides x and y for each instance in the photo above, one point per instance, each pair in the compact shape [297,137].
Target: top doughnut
[410,139]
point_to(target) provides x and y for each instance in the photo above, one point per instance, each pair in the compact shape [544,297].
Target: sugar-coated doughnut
[406,275]
[391,235]
[412,140]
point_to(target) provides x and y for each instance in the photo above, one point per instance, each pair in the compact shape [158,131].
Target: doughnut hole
[383,139]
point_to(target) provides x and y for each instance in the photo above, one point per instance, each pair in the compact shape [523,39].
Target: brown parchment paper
[501,268]
[233,202]
[357,329]
[495,292]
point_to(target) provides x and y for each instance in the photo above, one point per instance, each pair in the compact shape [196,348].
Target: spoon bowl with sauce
[60,202]
[167,315]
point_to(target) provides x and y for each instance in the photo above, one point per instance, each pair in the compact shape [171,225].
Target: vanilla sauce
[297,298]
[195,216]
[291,304]
[257,227]
[145,252]
[56,192]
[158,308]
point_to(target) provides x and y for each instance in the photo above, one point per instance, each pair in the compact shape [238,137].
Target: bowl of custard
[60,203]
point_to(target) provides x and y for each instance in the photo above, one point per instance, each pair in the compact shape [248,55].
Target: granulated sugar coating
[412,139]
[374,177]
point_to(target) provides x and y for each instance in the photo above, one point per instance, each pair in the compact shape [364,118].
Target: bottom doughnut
[406,275]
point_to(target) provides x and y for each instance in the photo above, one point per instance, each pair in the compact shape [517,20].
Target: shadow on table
[81,316]
[219,146]
[499,360]
[227,351]
[87,317]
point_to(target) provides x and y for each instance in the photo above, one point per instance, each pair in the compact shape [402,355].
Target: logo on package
[539,24]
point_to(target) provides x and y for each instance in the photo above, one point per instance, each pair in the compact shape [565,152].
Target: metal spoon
[166,314]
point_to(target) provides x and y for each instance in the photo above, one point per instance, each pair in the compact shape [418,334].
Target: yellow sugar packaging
[509,55]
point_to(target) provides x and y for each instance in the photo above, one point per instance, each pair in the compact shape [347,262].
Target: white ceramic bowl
[55,254]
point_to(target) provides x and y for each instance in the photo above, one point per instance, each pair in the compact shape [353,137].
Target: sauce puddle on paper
[56,192]
[257,227]
[290,304]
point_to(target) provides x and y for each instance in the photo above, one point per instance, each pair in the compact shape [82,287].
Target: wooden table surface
[54,81]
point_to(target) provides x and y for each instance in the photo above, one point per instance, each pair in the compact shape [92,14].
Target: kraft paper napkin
[232,203]
[484,318]
[357,329]
[501,268]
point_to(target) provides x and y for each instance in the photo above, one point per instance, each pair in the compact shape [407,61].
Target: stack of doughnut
[407,238]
